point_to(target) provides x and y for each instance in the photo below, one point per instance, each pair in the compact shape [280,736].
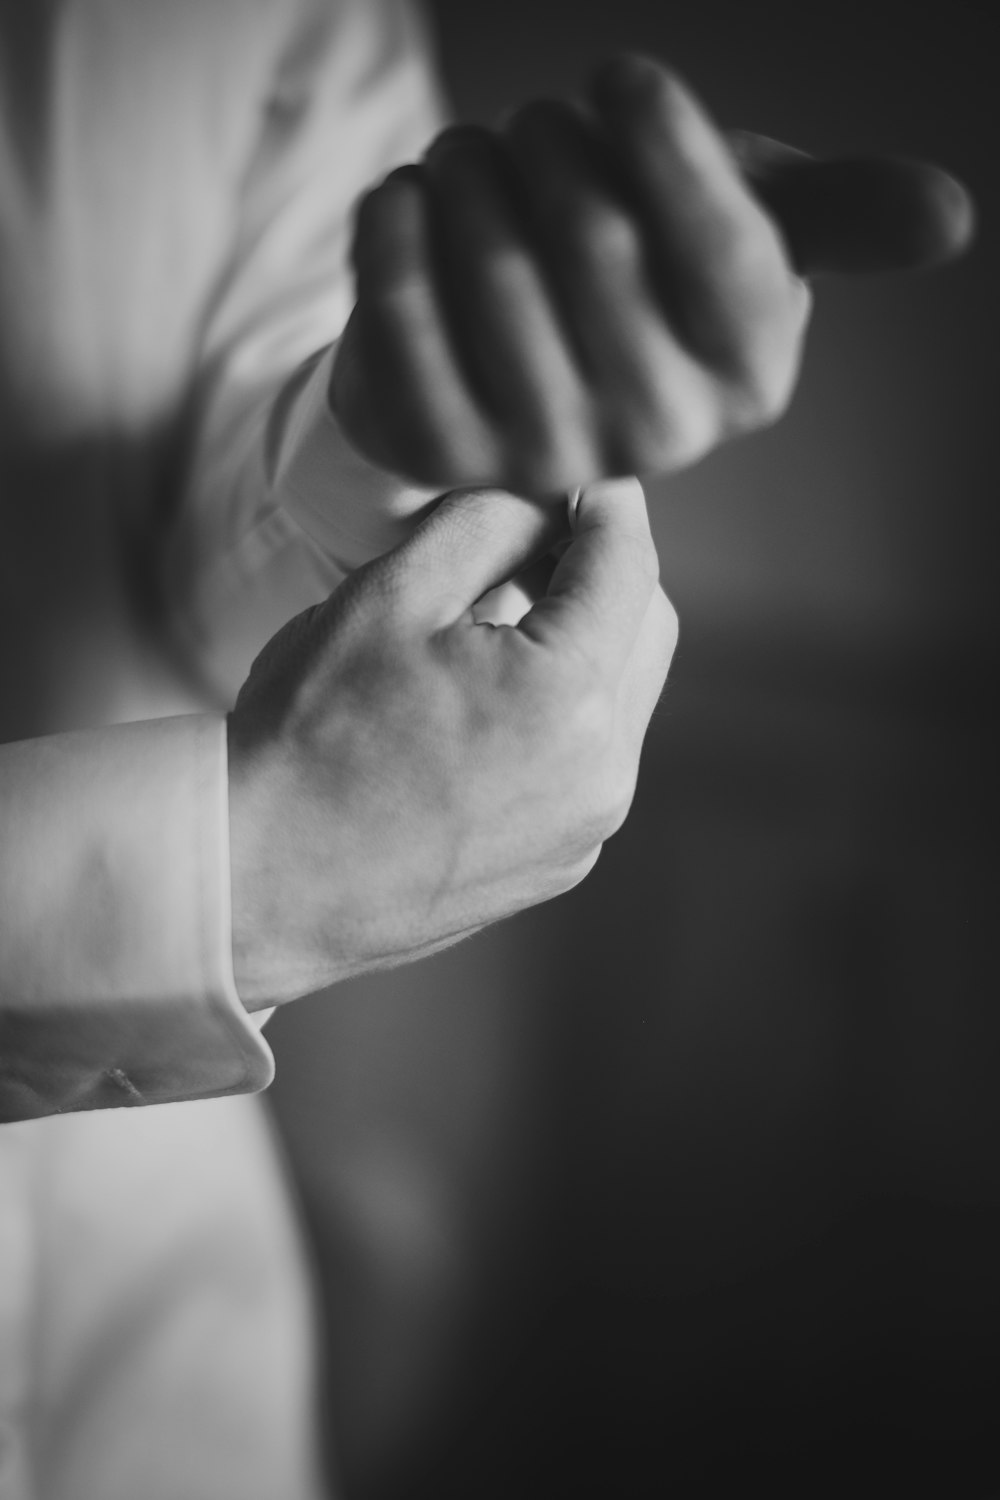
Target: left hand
[584,294]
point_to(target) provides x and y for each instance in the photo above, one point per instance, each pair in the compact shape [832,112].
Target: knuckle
[750,292]
[666,620]
[601,234]
[604,782]
[743,243]
[800,304]
[770,389]
[400,298]
[604,804]
[609,236]
[637,441]
[618,797]
[764,353]
[655,651]
[648,436]
[639,86]
[561,164]
[575,871]
[761,391]
[504,264]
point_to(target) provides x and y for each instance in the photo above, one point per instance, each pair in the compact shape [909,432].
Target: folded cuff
[351,509]
[116,982]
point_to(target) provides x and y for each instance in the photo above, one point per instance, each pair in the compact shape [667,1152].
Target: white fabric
[124,847]
[156,1324]
[176,185]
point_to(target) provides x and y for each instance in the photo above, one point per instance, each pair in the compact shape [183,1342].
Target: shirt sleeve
[116,983]
[277,506]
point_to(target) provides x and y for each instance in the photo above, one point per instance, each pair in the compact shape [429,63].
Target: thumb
[856,214]
[473,541]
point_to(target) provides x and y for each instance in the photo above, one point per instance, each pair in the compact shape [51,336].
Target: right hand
[401,774]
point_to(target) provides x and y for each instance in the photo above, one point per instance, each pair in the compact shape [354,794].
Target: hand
[401,775]
[618,291]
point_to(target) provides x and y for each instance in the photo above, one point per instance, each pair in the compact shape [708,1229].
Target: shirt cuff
[116,980]
[351,509]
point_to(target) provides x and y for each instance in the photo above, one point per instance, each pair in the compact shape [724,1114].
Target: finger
[427,410]
[509,602]
[646,673]
[868,214]
[504,326]
[598,269]
[474,541]
[729,288]
[602,584]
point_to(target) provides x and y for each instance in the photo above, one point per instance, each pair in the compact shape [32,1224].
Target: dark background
[689,1182]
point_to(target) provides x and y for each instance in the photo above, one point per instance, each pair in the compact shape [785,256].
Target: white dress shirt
[176,186]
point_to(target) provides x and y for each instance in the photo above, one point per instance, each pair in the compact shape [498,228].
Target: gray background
[690,1181]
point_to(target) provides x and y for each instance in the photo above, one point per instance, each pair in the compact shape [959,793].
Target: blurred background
[689,1182]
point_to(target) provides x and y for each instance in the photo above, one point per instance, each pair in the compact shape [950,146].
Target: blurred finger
[428,411]
[600,277]
[503,322]
[728,285]
[866,214]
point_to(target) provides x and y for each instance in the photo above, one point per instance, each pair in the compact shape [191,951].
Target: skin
[403,774]
[609,289]
[583,293]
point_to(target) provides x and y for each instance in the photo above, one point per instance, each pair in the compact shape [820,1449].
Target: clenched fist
[401,773]
[603,291]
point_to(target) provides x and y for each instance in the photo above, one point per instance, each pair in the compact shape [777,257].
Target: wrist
[348,505]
